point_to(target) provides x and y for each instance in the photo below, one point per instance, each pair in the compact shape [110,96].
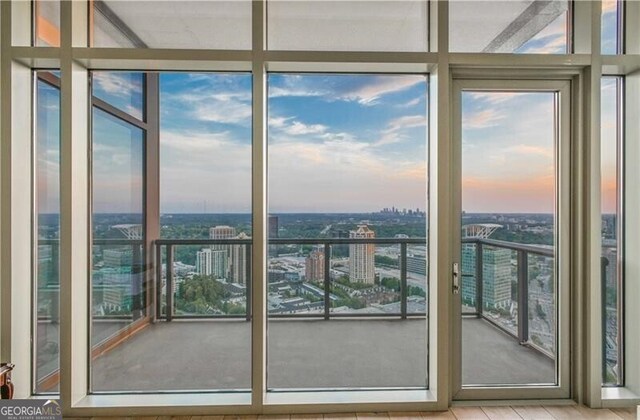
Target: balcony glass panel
[46,25]
[497,26]
[347,231]
[509,282]
[47,225]
[347,25]
[209,24]
[611,260]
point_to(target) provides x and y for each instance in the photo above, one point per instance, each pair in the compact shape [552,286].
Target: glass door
[510,271]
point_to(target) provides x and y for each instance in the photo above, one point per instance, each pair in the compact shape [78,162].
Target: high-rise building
[314,266]
[223,259]
[273,226]
[212,262]
[221,232]
[496,269]
[496,277]
[362,256]
[238,261]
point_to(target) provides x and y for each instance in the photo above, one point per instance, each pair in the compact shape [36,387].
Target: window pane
[205,195]
[611,240]
[122,90]
[521,26]
[347,25]
[208,24]
[611,25]
[347,167]
[118,293]
[47,23]
[47,296]
[509,279]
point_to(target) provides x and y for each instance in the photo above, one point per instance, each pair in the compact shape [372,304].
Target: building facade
[362,256]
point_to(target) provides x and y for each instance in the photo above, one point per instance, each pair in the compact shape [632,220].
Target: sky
[336,143]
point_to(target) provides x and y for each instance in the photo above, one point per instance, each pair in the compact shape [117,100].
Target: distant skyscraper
[212,262]
[496,269]
[496,277]
[223,259]
[273,233]
[362,256]
[221,232]
[238,259]
[314,266]
[204,262]
[273,226]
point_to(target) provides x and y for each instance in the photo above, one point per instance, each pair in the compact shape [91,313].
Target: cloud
[371,92]
[481,119]
[609,6]
[299,129]
[225,107]
[393,133]
[365,90]
[529,150]
[117,84]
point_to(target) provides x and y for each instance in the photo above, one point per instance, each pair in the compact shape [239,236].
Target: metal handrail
[531,249]
[326,245]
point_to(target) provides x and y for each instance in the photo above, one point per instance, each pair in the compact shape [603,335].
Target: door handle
[456,278]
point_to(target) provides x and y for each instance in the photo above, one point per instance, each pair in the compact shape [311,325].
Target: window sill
[421,397]
[167,404]
[618,397]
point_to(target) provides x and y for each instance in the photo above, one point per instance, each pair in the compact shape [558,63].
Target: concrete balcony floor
[303,353]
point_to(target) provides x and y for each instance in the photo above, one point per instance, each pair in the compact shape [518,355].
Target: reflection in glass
[611,239]
[347,257]
[46,23]
[47,223]
[122,90]
[611,27]
[509,26]
[509,282]
[118,301]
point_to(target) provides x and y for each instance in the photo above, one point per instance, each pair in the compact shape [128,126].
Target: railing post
[169,286]
[327,280]
[403,280]
[604,263]
[523,296]
[158,282]
[479,279]
[248,282]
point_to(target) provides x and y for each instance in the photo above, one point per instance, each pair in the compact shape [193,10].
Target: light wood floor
[533,412]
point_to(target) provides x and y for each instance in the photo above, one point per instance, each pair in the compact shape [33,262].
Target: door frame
[562,261]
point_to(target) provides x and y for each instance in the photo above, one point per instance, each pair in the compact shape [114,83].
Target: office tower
[221,232]
[204,262]
[361,256]
[273,226]
[238,261]
[496,277]
[314,266]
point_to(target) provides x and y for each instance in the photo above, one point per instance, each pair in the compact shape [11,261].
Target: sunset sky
[336,143]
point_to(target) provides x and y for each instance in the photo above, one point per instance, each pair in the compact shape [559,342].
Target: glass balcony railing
[306,278]
[512,286]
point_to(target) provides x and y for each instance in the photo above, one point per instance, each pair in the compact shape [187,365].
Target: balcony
[318,344]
